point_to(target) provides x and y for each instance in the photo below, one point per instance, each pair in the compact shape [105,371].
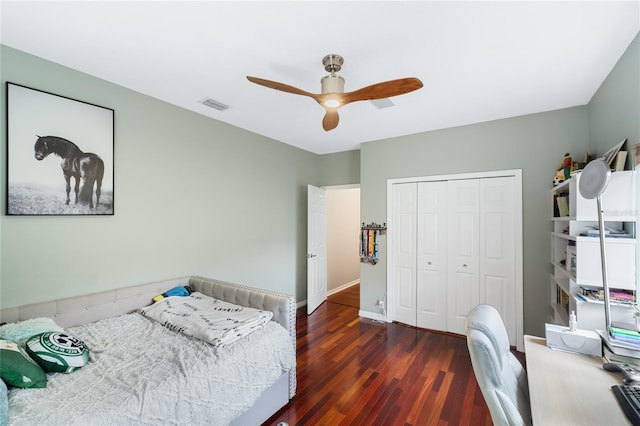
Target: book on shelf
[595,232]
[620,160]
[563,205]
[571,257]
[615,296]
[608,233]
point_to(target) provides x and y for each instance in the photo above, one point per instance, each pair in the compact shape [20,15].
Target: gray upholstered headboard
[93,307]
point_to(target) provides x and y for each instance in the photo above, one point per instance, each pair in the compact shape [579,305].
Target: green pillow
[58,352]
[17,369]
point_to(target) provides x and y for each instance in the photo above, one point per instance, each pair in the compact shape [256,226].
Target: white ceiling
[478,60]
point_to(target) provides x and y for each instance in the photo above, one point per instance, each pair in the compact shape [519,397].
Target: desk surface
[570,389]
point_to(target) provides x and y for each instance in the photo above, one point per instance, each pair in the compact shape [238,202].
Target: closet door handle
[310,255]
[464,265]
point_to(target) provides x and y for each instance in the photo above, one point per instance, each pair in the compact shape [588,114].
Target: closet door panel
[497,250]
[463,252]
[431,296]
[404,245]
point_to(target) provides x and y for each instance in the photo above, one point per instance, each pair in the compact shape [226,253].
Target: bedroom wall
[534,143]
[614,110]
[192,196]
[341,168]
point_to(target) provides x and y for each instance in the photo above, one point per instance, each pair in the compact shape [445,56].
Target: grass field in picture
[34,199]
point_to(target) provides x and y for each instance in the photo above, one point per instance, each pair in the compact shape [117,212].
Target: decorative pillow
[58,352]
[181,291]
[17,369]
[4,403]
[20,332]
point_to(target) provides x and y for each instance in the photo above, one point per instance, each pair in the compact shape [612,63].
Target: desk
[570,389]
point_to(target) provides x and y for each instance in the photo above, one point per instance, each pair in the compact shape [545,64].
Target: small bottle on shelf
[573,322]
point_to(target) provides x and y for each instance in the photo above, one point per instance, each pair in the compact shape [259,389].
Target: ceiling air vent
[382,103]
[215,104]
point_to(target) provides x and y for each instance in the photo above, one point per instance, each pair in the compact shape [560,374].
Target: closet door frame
[517,176]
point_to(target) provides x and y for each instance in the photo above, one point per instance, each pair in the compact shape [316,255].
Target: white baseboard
[343,287]
[329,293]
[373,316]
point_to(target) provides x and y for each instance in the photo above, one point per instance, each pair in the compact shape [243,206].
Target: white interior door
[316,247]
[404,248]
[431,292]
[463,252]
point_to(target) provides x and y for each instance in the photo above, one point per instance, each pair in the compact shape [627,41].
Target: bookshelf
[575,250]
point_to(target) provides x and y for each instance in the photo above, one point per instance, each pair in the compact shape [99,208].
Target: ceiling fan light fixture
[332,84]
[332,103]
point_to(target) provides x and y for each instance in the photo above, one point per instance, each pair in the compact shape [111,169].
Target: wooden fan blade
[331,119]
[383,90]
[279,86]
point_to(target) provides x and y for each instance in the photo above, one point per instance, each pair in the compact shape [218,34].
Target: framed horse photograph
[59,154]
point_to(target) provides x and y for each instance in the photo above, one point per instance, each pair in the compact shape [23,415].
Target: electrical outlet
[381,303]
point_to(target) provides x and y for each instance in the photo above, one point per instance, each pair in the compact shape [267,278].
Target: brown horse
[76,164]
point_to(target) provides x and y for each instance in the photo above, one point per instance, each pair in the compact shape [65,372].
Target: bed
[142,372]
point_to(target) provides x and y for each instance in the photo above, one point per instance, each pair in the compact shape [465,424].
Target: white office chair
[502,379]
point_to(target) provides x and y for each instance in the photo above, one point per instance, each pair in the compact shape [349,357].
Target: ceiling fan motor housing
[332,63]
[332,83]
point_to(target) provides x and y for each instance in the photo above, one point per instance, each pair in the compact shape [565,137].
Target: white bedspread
[206,318]
[145,374]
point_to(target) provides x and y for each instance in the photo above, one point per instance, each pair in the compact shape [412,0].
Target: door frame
[517,175]
[326,188]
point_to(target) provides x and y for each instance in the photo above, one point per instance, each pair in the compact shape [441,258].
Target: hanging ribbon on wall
[369,237]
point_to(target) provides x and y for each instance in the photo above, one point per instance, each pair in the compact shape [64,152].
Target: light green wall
[534,143]
[340,168]
[192,196]
[614,111]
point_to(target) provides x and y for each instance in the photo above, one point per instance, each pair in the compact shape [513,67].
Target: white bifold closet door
[405,199]
[431,260]
[463,263]
[454,247]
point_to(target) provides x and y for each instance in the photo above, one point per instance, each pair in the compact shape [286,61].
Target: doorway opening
[343,244]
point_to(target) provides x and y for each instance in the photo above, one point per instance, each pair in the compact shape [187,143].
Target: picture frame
[60,157]
[610,155]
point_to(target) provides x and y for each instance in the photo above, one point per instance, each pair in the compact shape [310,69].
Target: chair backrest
[500,375]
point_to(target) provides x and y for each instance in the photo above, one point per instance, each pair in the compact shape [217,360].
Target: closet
[455,242]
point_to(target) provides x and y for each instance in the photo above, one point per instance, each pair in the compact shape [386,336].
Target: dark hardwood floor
[356,371]
[350,296]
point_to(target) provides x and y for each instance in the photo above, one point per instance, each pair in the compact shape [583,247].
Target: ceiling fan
[333,95]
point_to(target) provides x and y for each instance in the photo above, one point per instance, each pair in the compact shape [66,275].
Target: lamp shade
[594,179]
